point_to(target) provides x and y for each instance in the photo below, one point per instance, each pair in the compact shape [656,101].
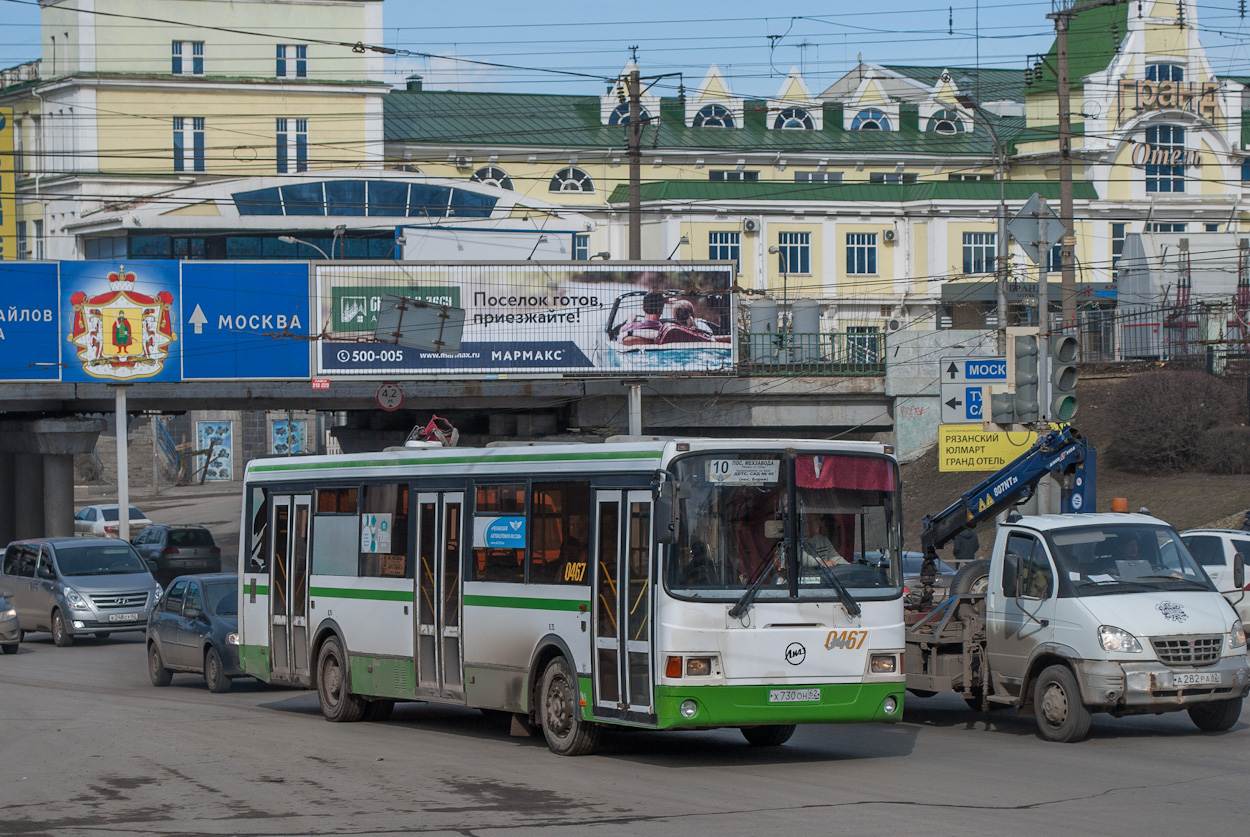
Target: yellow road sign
[966,447]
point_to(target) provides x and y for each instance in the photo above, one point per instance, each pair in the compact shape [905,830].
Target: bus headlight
[698,666]
[883,664]
[688,708]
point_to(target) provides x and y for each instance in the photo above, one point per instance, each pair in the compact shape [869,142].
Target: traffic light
[1003,409]
[1062,395]
[1028,407]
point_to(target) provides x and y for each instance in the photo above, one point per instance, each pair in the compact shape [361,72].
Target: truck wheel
[973,577]
[1057,703]
[1217,715]
[560,708]
[768,736]
[337,703]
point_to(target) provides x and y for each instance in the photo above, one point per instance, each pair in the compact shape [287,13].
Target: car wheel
[1215,716]
[338,704]
[10,648]
[1057,703]
[102,634]
[215,672]
[60,634]
[160,675]
[772,735]
[560,708]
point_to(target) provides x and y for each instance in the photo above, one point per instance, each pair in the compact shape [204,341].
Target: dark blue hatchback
[196,629]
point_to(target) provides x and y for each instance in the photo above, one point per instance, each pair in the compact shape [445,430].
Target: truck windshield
[1125,558]
[803,523]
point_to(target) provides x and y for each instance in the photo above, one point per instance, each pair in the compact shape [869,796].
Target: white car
[101,522]
[1223,554]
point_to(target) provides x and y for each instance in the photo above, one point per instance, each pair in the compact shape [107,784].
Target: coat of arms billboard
[121,321]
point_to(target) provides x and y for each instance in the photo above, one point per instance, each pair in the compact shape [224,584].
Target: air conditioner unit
[889,235]
[893,324]
[750,225]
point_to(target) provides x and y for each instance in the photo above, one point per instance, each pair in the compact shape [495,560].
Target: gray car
[10,630]
[77,586]
[178,549]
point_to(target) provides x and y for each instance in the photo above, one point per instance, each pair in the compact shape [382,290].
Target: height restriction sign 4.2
[389,397]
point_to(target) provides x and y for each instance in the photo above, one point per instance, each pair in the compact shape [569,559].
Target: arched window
[620,116]
[794,119]
[493,176]
[945,122]
[870,119]
[1165,72]
[571,179]
[713,116]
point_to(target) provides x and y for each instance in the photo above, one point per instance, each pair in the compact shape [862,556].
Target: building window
[818,177]
[1054,259]
[195,49]
[1163,139]
[571,179]
[581,246]
[970,178]
[891,177]
[732,174]
[1165,227]
[1119,232]
[794,252]
[1165,72]
[713,116]
[1211,227]
[19,152]
[870,119]
[21,240]
[283,140]
[794,119]
[197,143]
[724,246]
[494,176]
[979,252]
[945,122]
[299,52]
[620,116]
[38,239]
[861,253]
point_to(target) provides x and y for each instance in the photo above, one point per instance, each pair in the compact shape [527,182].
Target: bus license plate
[123,617]
[1195,678]
[793,695]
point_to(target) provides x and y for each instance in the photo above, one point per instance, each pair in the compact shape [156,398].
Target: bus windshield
[800,522]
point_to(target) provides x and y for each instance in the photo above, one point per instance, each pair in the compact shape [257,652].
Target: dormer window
[620,116]
[794,119]
[945,122]
[493,176]
[713,116]
[870,119]
[571,179]
[1165,72]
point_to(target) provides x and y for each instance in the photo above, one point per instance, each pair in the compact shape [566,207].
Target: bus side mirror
[665,501]
[1239,572]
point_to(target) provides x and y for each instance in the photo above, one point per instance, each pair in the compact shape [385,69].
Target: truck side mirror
[1239,572]
[665,500]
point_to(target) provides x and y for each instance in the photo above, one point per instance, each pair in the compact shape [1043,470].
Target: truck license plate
[123,617]
[1196,678]
[793,695]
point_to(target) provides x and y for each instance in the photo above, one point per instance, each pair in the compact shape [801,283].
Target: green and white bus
[659,584]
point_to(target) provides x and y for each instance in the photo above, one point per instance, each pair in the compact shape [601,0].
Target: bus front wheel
[337,703]
[560,711]
[772,735]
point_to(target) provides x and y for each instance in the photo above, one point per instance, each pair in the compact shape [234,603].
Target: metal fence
[1191,332]
[825,354]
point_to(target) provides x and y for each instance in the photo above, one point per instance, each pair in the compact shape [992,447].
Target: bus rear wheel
[560,711]
[338,704]
[773,735]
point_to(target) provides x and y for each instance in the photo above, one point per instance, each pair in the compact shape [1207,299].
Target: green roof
[566,122]
[1094,38]
[932,190]
[995,83]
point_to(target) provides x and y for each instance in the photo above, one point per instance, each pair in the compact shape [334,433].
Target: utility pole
[1067,256]
[633,86]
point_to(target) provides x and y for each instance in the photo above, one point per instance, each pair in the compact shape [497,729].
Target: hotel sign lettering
[1198,98]
[1145,154]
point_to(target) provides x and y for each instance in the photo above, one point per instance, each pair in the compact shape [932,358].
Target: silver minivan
[76,586]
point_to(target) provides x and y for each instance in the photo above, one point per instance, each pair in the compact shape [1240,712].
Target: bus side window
[336,532]
[384,532]
[257,554]
[560,533]
[499,533]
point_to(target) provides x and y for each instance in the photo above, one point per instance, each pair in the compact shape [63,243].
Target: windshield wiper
[766,569]
[848,601]
[1172,578]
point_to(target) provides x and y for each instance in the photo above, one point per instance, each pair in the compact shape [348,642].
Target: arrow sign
[952,370]
[198,319]
[954,403]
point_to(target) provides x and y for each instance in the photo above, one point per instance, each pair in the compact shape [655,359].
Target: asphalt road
[89,747]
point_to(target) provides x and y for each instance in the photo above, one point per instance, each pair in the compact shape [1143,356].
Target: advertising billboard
[565,318]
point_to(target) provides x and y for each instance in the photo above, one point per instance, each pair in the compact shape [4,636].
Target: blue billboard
[30,346]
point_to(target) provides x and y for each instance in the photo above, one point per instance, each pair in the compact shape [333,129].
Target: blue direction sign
[30,345]
[245,320]
[962,379]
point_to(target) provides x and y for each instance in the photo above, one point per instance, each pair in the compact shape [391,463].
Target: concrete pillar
[58,495]
[28,495]
[8,488]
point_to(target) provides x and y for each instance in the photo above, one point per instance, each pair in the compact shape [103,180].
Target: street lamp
[681,241]
[602,254]
[290,239]
[785,280]
[542,239]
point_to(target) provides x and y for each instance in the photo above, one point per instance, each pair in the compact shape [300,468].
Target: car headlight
[1117,640]
[1237,635]
[74,600]
[233,639]
[6,615]
[156,597]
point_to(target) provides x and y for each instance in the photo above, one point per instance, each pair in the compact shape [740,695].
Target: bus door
[288,586]
[622,611]
[438,648]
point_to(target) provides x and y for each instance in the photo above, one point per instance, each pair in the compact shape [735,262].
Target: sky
[560,46]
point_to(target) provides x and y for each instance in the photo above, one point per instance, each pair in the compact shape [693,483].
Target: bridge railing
[167,446]
[816,354]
